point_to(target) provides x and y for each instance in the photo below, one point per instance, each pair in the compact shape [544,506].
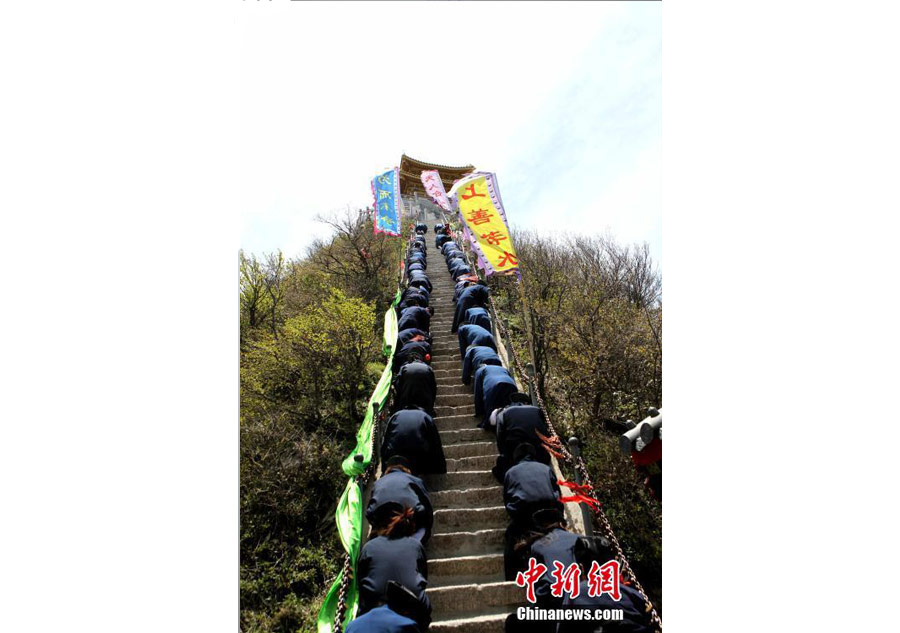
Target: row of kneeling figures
[392,571]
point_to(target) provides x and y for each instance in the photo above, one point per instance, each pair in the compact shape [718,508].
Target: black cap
[593,548]
[520,398]
[523,450]
[396,460]
[547,516]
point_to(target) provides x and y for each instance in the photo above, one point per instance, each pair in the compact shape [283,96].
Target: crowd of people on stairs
[392,571]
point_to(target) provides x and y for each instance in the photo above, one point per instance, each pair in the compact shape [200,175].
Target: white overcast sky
[563,102]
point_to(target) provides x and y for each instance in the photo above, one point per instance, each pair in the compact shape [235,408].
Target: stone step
[482,462]
[465,543]
[457,422]
[464,435]
[470,449]
[455,374]
[449,386]
[452,399]
[459,480]
[473,597]
[491,620]
[453,519]
[451,571]
[468,409]
[447,363]
[482,497]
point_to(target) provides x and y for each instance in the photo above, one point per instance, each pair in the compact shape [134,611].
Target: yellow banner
[486,225]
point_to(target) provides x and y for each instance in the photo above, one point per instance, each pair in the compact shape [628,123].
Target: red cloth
[650,455]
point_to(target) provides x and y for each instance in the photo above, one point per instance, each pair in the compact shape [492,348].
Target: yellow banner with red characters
[481,210]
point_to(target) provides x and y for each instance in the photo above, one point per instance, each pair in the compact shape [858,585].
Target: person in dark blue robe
[635,618]
[412,351]
[474,296]
[476,356]
[401,559]
[408,334]
[479,316]
[412,291]
[474,335]
[422,228]
[412,434]
[446,246]
[459,269]
[461,285]
[518,423]
[419,278]
[415,316]
[417,256]
[441,239]
[415,386]
[416,266]
[412,300]
[493,388]
[529,487]
[396,490]
[453,255]
[558,544]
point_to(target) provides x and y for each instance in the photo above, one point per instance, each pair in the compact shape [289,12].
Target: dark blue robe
[636,620]
[401,560]
[414,316]
[412,434]
[476,356]
[398,490]
[418,278]
[419,350]
[382,620]
[415,386]
[556,545]
[404,336]
[474,335]
[519,424]
[475,295]
[530,486]
[479,316]
[493,387]
[460,269]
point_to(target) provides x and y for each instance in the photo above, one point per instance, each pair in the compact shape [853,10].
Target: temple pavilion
[411,175]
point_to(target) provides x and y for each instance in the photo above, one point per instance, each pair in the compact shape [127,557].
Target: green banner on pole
[349,513]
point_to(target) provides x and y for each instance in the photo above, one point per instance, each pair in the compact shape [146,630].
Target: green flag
[349,512]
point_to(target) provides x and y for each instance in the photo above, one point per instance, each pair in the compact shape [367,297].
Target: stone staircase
[465,554]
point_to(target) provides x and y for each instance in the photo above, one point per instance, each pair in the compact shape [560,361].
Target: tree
[272,279]
[252,288]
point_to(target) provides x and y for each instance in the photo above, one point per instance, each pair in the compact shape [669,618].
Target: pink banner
[435,188]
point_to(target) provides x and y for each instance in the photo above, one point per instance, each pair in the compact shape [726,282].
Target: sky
[561,100]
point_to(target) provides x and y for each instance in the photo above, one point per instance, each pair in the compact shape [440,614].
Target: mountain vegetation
[310,356]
